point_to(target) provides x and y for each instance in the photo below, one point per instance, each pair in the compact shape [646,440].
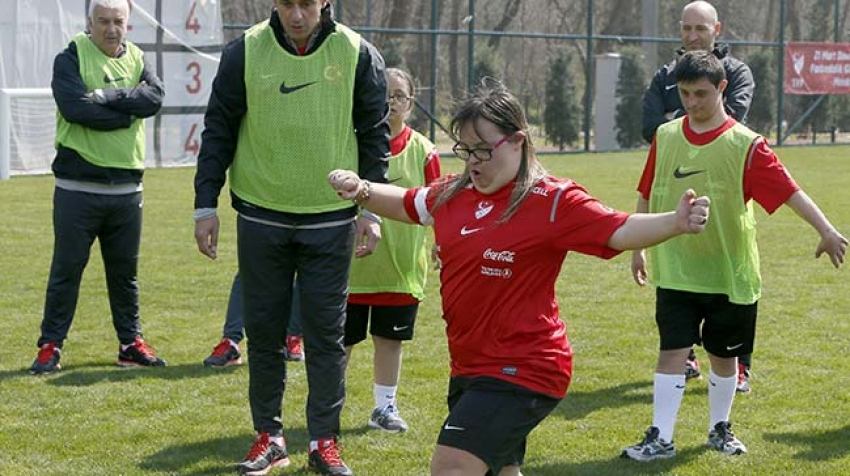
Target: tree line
[537,48]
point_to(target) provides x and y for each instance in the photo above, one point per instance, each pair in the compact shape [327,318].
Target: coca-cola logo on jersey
[500,256]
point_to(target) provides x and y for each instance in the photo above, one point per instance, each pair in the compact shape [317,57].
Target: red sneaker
[47,360]
[263,456]
[326,460]
[224,354]
[294,351]
[139,353]
[743,379]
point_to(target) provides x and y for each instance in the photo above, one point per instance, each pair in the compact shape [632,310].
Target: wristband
[370,216]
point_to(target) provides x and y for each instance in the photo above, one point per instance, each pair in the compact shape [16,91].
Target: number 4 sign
[182,40]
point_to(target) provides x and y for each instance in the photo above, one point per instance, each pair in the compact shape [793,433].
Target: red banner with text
[817,68]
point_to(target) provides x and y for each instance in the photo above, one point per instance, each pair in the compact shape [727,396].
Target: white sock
[384,395]
[278,440]
[668,390]
[314,444]
[721,394]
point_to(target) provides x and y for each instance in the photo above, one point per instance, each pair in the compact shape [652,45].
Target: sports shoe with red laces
[264,455]
[47,360]
[743,385]
[692,369]
[326,461]
[138,354]
[224,354]
[294,351]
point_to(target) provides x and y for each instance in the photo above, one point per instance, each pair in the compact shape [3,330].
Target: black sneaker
[263,456]
[650,448]
[139,354]
[723,440]
[224,354]
[326,460]
[47,360]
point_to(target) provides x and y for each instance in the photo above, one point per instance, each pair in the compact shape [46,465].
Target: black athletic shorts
[389,322]
[685,318]
[492,418]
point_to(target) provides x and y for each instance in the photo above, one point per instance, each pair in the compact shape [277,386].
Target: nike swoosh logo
[464,231]
[107,79]
[733,347]
[452,427]
[284,89]
[669,87]
[399,328]
[680,386]
[679,173]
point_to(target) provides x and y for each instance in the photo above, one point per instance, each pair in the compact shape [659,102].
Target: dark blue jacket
[663,95]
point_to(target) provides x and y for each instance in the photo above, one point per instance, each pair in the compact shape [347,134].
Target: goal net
[27,131]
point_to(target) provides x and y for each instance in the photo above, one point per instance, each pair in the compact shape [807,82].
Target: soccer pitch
[94,418]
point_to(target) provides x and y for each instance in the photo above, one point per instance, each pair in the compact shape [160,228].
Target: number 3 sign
[182,40]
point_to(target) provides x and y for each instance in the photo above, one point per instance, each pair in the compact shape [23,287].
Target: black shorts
[389,322]
[685,318]
[491,419]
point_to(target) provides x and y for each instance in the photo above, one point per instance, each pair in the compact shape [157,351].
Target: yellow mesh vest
[400,263]
[119,148]
[298,126]
[724,258]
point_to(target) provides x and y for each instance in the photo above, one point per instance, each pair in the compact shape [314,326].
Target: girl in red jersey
[503,228]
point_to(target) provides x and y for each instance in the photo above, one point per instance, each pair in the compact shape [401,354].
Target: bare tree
[510,12]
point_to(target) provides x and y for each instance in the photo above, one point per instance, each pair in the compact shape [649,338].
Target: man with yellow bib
[295,97]
[103,89]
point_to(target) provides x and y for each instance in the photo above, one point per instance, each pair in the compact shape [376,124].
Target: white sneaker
[387,419]
[723,440]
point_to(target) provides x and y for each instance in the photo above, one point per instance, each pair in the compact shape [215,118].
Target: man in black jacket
[699,29]
[294,97]
[103,87]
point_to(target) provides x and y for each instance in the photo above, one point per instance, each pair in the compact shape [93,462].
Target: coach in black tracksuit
[294,97]
[103,87]
[661,101]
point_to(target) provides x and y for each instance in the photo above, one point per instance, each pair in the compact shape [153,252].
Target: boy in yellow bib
[708,285]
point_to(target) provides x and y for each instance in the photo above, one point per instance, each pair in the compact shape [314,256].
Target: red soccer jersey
[766,180]
[498,279]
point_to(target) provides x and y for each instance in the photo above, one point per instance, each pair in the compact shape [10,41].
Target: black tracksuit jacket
[663,95]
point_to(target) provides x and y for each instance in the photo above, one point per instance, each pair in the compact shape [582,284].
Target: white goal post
[27,131]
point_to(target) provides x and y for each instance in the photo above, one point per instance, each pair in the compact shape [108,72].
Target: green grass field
[94,418]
